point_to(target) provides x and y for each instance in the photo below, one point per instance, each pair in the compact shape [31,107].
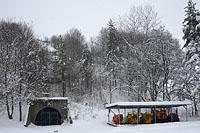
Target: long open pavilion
[142,105]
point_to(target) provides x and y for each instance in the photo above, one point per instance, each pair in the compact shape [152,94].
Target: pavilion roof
[153,104]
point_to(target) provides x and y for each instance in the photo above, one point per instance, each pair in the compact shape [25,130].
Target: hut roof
[153,104]
[51,98]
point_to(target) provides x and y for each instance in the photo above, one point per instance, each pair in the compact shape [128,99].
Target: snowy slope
[99,125]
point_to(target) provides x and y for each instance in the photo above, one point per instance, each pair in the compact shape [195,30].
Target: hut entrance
[48,116]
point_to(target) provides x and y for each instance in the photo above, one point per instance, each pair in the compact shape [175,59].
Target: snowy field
[98,125]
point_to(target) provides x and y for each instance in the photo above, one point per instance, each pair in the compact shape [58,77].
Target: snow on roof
[148,104]
[51,98]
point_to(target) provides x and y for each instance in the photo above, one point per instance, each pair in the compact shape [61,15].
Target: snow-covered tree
[187,85]
[113,56]
[87,69]
[67,63]
[140,19]
[191,30]
[151,64]
[23,72]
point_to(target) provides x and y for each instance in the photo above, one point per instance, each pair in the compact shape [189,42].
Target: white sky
[48,17]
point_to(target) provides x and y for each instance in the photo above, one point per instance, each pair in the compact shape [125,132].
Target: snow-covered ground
[98,125]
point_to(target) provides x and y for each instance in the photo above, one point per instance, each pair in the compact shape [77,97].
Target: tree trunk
[110,91]
[20,110]
[20,102]
[163,90]
[91,86]
[12,105]
[69,82]
[63,82]
[195,107]
[10,115]
[138,94]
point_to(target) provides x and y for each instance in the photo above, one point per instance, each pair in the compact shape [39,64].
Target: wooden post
[119,115]
[154,115]
[124,115]
[186,113]
[108,115]
[176,111]
[138,112]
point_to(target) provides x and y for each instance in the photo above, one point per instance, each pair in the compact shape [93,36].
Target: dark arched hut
[45,111]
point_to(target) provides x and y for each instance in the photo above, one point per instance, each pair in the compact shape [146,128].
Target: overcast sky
[48,17]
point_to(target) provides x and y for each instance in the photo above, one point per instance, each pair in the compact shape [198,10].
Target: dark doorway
[48,116]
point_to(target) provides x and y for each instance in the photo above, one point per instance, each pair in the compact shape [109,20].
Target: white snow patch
[51,49]
[51,98]
[92,120]
[99,125]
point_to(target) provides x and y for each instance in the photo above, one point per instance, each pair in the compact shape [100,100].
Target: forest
[133,58]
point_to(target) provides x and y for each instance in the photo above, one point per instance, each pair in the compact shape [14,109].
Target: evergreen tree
[112,47]
[66,64]
[191,32]
[192,37]
[86,69]
[113,56]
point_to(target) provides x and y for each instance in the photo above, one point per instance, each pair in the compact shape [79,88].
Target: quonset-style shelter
[142,105]
[45,111]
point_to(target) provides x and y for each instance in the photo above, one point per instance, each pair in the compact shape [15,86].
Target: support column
[154,115]
[138,115]
[108,115]
[119,116]
[124,115]
[186,113]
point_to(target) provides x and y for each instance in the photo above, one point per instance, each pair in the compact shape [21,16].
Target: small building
[46,111]
[155,116]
